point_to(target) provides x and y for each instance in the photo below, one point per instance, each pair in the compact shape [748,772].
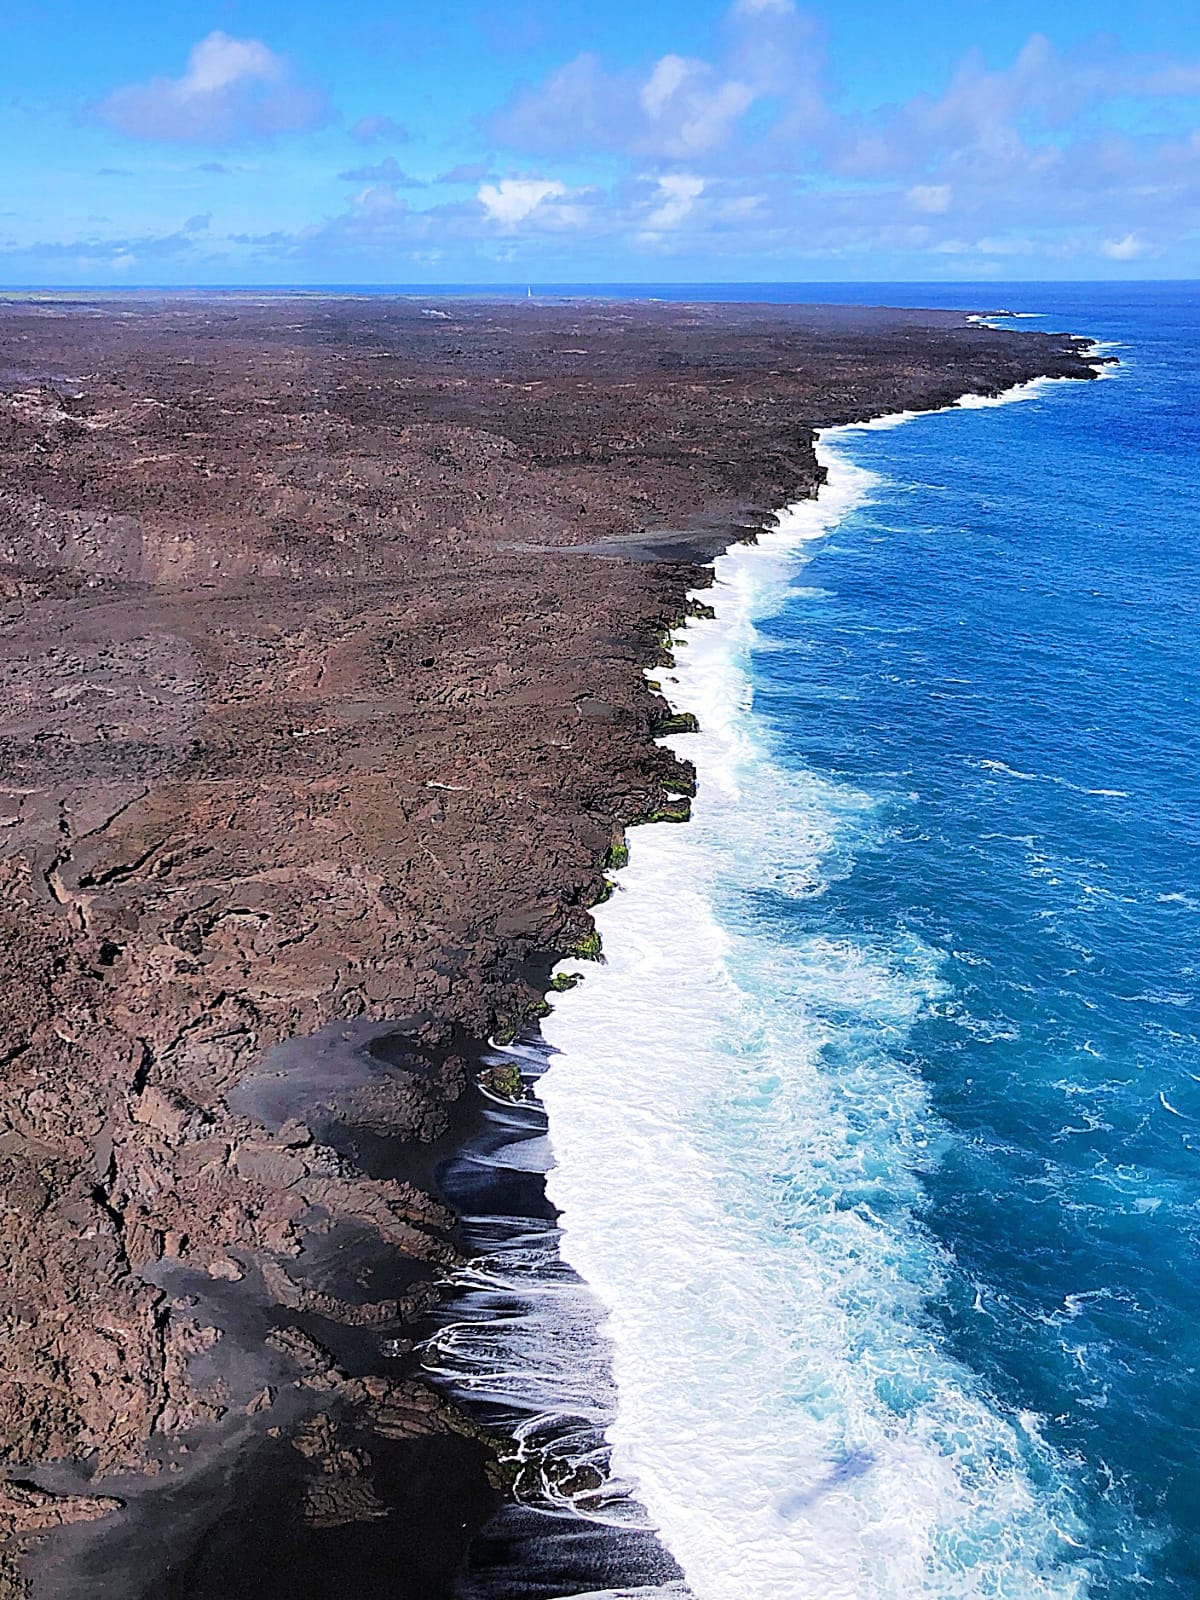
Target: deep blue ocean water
[1005,652]
[897,1227]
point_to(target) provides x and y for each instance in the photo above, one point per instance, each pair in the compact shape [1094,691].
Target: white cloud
[665,81]
[677,109]
[512,200]
[378,201]
[232,89]
[1127,249]
[388,170]
[1035,156]
[1160,77]
[933,198]
[379,130]
[741,208]
[677,195]
[689,108]
[219,61]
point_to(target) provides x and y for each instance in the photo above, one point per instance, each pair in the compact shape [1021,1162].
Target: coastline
[518,1346]
[306,1163]
[660,992]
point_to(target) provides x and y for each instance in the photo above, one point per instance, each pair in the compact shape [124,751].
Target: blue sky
[256,141]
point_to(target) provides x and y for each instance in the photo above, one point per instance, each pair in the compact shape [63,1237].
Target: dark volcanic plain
[322,628]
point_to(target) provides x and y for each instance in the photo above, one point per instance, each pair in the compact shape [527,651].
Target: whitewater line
[787,1419]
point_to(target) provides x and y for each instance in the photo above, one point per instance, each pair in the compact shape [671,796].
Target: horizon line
[558,285]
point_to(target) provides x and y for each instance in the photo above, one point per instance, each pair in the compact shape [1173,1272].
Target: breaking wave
[740,1141]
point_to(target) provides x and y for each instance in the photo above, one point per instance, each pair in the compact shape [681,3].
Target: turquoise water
[1003,651]
[878,1136]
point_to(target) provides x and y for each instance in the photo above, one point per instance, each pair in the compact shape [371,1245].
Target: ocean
[876,1137]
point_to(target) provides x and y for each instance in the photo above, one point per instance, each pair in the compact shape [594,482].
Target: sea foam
[739,1143]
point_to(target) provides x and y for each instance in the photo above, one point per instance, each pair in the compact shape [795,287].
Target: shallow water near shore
[519,1345]
[876,1135]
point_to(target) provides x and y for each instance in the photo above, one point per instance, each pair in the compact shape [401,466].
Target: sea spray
[740,1142]
[519,1345]
[520,1336]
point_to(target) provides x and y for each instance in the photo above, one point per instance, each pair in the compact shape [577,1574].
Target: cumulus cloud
[388,171]
[1080,156]
[232,89]
[689,108]
[931,197]
[91,255]
[1040,145]
[762,87]
[680,107]
[379,130]
[378,227]
[1128,248]
[677,196]
[466,172]
[1011,121]
[378,201]
[513,200]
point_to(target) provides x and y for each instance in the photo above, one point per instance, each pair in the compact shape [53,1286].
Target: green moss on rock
[680,722]
[617,856]
[673,811]
[508,1027]
[504,1080]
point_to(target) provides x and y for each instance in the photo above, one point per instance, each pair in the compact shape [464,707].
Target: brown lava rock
[322,628]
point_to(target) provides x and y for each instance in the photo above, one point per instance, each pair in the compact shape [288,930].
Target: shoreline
[306,1162]
[532,1525]
[519,1346]
[575,1113]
